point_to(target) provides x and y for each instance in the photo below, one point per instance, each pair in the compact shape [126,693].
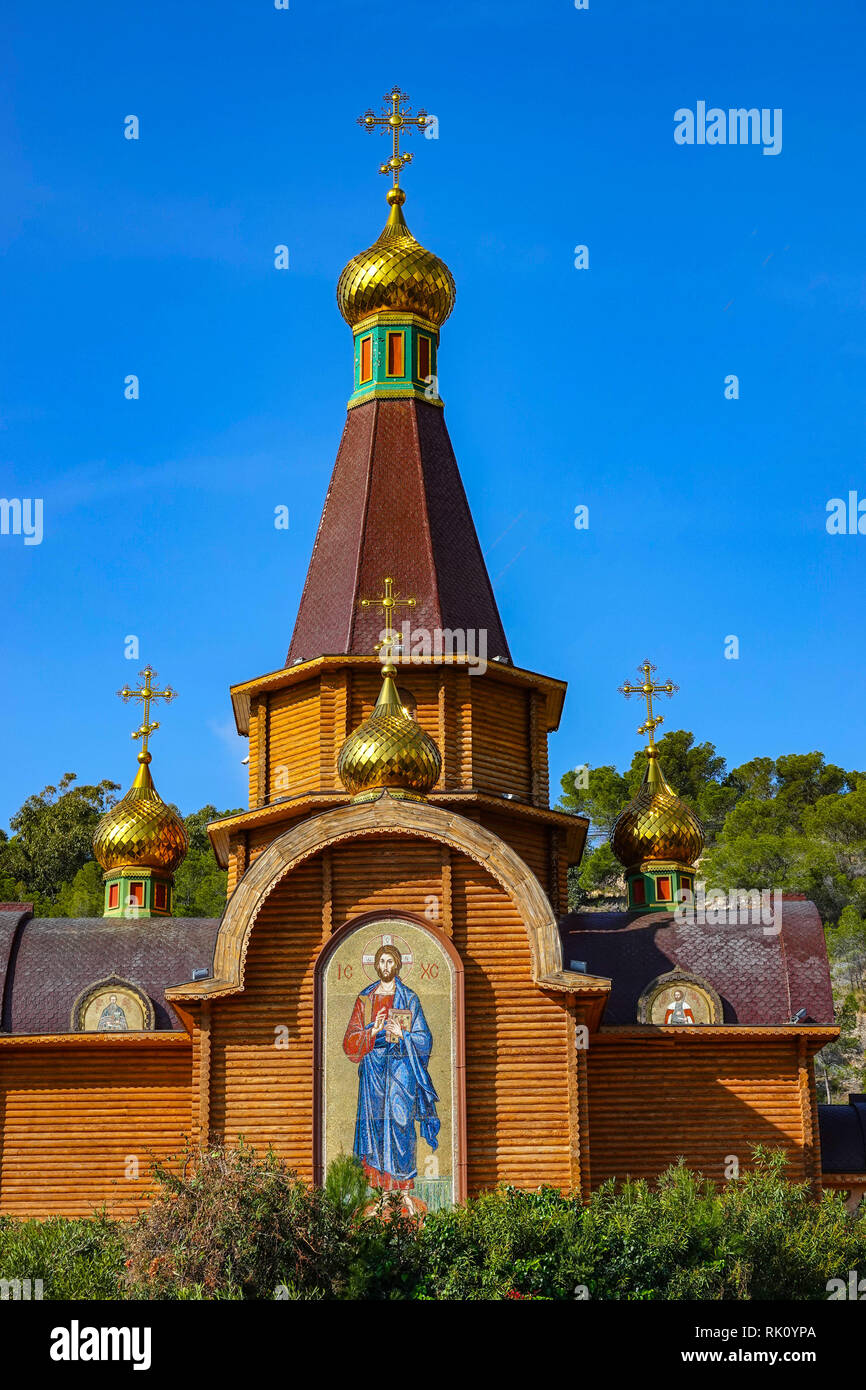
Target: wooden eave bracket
[590,992]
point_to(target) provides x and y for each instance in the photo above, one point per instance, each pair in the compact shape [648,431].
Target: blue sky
[602,387]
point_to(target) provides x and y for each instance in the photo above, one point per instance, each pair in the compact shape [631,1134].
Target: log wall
[76,1116]
[492,735]
[517,1039]
[655,1099]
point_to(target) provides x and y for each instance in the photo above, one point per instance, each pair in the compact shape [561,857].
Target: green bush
[232,1226]
[74,1259]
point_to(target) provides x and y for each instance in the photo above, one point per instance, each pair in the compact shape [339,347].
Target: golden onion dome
[656,824]
[390,749]
[396,273]
[141,831]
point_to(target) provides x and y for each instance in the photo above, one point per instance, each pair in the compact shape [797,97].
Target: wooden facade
[551,1097]
[82,1118]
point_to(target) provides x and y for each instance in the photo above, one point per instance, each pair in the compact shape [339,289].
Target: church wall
[517,1045]
[501,759]
[492,735]
[652,1099]
[517,1039]
[259,1089]
[293,740]
[75,1117]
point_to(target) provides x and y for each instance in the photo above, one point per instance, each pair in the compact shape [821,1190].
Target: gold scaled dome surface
[396,273]
[390,749]
[656,824]
[141,831]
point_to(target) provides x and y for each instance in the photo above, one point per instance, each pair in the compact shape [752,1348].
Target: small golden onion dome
[141,831]
[396,273]
[656,824]
[390,749]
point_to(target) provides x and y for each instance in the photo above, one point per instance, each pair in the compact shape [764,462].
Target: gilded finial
[657,838]
[648,688]
[389,751]
[395,120]
[147,694]
[391,638]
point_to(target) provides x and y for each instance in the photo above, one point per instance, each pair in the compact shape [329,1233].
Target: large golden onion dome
[141,831]
[396,273]
[389,750]
[656,825]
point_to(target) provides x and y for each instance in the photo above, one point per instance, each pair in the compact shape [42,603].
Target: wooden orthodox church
[396,973]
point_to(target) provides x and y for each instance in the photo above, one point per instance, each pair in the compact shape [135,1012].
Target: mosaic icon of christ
[389,1039]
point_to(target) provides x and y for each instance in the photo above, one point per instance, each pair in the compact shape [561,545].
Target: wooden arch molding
[386,816]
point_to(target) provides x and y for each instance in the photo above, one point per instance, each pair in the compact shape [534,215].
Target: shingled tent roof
[47,962]
[763,977]
[395,506]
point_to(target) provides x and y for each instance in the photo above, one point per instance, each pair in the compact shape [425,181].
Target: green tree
[847,946]
[53,837]
[200,884]
[84,896]
[601,800]
[841,1062]
[803,778]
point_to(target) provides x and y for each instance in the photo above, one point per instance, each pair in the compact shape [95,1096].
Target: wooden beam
[446,917]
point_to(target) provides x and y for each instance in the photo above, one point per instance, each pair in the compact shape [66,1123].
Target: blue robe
[395,1090]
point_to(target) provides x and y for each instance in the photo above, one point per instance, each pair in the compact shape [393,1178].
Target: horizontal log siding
[526,837]
[258,1090]
[293,745]
[70,1118]
[266,1093]
[500,738]
[422,684]
[517,1040]
[457,753]
[388,875]
[254,752]
[652,1100]
[333,718]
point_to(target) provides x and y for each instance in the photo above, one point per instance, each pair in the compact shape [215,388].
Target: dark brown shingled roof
[47,962]
[763,980]
[395,506]
[843,1136]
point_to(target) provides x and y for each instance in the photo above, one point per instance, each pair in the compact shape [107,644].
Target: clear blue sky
[562,387]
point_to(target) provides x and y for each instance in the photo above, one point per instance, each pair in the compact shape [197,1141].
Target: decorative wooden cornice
[242,694]
[221,831]
[163,1038]
[815,1035]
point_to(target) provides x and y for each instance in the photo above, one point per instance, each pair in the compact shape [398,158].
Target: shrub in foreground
[73,1258]
[229,1225]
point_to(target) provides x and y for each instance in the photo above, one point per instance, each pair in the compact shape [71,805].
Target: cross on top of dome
[395,120]
[648,688]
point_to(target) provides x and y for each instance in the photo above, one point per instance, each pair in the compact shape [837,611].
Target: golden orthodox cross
[395,120]
[146,693]
[388,602]
[648,688]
